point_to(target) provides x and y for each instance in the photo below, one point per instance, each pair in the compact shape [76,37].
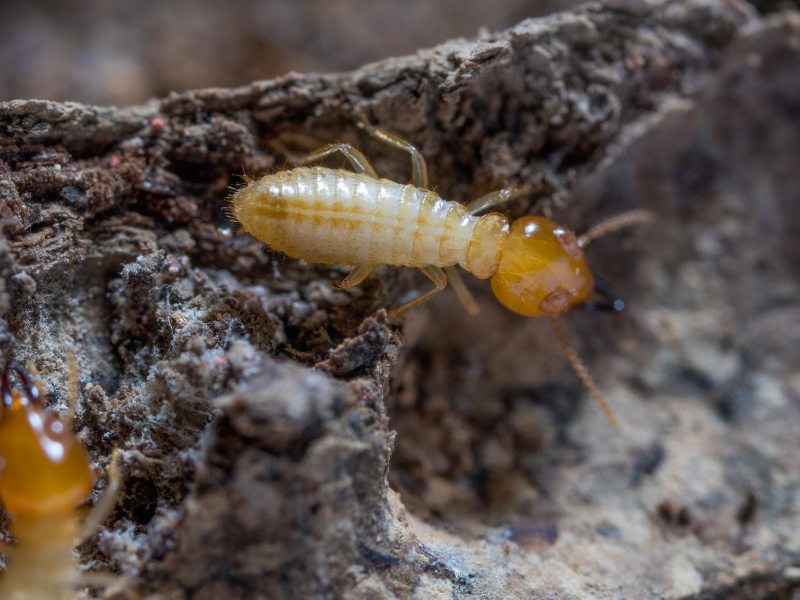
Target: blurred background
[122,52]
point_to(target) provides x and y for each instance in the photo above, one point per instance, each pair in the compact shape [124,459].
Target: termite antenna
[634,217]
[582,372]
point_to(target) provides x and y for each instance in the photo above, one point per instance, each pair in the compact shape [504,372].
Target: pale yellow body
[42,565]
[336,216]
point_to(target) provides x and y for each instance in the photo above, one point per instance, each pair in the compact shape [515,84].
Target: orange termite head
[43,468]
[543,272]
[542,269]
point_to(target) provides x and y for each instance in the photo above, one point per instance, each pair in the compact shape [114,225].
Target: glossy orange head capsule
[43,468]
[542,270]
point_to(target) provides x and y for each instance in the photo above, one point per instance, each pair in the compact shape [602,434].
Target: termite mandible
[336,216]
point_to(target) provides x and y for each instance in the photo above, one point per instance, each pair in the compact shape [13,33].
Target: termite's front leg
[493,199]
[437,276]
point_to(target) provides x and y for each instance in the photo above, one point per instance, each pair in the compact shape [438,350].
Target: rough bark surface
[279,439]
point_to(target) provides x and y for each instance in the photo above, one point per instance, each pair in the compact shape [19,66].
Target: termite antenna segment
[628,219]
[582,372]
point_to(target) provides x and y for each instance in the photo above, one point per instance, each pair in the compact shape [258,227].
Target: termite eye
[43,468]
[542,269]
[568,242]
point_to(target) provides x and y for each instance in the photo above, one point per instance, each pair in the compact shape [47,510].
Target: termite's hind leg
[464,295]
[357,275]
[437,276]
[419,177]
[105,504]
[493,199]
[357,160]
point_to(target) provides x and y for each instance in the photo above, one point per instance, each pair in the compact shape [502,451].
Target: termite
[336,216]
[44,474]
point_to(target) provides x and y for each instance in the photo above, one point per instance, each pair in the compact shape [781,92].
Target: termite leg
[464,295]
[419,169]
[357,275]
[105,504]
[493,199]
[357,160]
[437,276]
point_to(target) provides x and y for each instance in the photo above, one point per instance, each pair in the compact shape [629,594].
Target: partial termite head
[542,269]
[43,467]
[543,272]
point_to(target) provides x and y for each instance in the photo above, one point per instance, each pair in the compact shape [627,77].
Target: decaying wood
[256,407]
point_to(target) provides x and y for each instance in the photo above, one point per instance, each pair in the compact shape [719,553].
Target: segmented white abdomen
[337,216]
